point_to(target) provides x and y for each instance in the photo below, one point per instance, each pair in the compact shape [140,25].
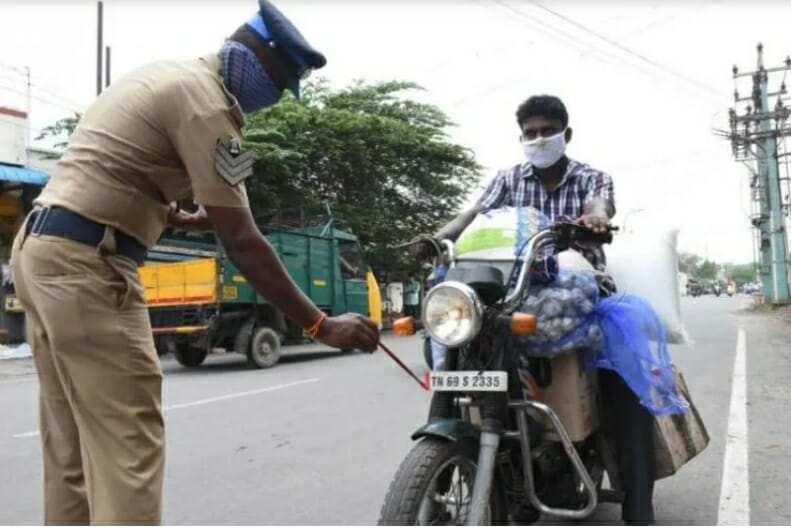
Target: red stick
[400,363]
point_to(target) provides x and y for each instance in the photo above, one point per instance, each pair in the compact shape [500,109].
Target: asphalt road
[317,439]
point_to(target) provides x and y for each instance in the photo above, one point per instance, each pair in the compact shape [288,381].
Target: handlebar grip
[568,233]
[432,243]
[586,236]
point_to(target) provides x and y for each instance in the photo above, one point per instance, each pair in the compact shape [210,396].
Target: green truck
[199,302]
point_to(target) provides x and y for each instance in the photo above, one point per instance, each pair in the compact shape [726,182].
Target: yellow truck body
[193,282]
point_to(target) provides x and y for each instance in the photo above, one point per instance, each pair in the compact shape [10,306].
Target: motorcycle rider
[565,189]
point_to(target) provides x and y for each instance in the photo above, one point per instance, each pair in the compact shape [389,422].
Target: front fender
[453,430]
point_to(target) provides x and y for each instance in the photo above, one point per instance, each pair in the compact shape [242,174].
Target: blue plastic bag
[630,326]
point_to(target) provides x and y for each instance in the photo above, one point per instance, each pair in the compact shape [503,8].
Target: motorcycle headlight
[452,314]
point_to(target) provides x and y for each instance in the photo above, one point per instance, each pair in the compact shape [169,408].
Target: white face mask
[544,152]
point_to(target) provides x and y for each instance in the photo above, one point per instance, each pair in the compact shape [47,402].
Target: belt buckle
[39,221]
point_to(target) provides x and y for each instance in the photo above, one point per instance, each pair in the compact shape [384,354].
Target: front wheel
[433,486]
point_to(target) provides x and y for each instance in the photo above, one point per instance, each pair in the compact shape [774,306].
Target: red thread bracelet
[314,329]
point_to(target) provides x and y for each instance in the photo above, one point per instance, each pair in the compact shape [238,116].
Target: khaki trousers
[102,429]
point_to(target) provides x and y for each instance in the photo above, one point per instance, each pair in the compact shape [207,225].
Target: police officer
[166,132]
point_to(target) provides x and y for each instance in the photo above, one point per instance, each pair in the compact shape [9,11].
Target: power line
[39,99]
[575,42]
[653,23]
[67,102]
[628,50]
[557,33]
[15,69]
[571,40]
[54,91]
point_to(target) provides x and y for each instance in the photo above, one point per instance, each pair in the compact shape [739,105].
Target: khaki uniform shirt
[150,139]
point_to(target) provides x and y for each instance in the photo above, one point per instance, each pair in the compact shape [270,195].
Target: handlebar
[420,239]
[567,233]
[561,235]
[531,248]
[435,245]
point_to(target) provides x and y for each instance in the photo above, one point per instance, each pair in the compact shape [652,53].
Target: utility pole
[99,47]
[27,120]
[754,137]
[107,77]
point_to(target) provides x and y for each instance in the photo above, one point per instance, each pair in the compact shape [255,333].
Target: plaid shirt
[520,186]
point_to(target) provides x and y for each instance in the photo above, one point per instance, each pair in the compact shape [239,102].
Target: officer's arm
[258,262]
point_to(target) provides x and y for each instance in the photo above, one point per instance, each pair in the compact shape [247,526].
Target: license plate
[468,381]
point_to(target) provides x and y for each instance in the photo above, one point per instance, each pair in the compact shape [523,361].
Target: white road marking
[26,434]
[211,400]
[239,394]
[735,493]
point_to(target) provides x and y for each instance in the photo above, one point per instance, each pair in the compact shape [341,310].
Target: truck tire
[163,345]
[264,350]
[189,356]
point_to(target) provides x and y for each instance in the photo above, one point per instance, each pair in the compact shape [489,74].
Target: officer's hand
[349,332]
[198,220]
[596,223]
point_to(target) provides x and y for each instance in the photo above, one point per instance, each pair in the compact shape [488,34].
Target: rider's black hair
[545,106]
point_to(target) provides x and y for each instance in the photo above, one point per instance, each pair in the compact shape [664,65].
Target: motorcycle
[502,444]
[731,289]
[717,289]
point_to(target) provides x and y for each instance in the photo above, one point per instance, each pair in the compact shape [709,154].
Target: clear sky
[645,83]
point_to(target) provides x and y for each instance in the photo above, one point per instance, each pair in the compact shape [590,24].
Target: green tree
[62,131]
[707,270]
[688,263]
[744,273]
[381,160]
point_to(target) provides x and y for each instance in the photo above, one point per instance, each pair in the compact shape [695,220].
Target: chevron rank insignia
[232,162]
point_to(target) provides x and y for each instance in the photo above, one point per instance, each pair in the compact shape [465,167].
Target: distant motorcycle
[694,289]
[717,289]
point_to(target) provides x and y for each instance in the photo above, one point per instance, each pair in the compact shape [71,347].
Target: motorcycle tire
[424,465]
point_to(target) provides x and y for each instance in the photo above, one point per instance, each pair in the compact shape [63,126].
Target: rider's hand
[348,332]
[598,224]
[420,251]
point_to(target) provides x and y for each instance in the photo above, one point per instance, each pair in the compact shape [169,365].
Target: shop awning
[22,174]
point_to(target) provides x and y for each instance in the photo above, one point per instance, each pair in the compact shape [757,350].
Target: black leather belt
[59,222]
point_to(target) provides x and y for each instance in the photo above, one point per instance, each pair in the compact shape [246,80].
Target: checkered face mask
[246,79]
